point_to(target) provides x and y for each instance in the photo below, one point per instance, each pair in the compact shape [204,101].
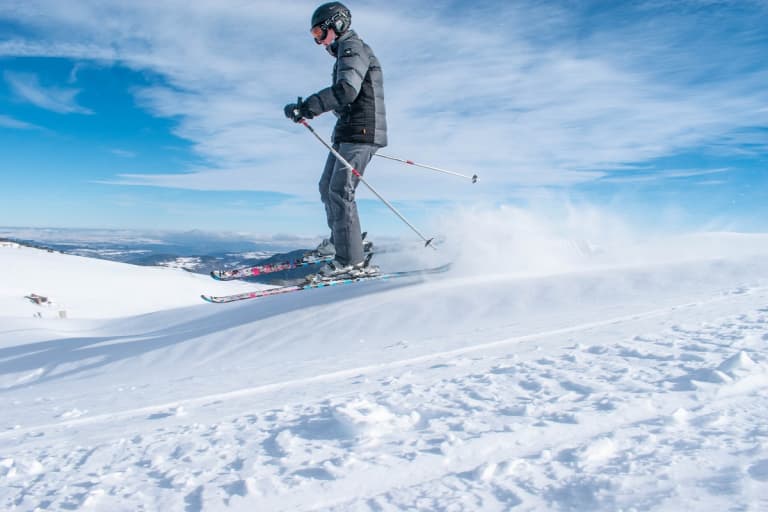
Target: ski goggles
[319,33]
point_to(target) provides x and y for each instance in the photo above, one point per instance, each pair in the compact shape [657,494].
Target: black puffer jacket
[356,95]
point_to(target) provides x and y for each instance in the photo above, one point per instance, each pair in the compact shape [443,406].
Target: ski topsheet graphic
[268,268]
[322,284]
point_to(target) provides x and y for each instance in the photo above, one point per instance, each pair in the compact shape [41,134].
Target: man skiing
[356,96]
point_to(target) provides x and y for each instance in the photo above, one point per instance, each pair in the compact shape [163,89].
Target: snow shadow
[60,358]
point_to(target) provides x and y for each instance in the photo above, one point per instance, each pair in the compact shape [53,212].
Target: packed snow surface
[569,381]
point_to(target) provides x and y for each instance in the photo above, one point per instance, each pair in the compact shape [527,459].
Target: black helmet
[332,15]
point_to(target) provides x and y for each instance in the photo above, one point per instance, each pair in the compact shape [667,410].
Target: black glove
[293,111]
[298,111]
[306,109]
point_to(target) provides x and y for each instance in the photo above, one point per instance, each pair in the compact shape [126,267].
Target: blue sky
[137,115]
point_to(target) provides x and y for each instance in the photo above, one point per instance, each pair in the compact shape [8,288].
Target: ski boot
[333,271]
[326,250]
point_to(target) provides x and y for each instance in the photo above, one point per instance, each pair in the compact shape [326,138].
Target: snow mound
[367,421]
[737,364]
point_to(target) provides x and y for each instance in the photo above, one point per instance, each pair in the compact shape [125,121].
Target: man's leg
[325,186]
[345,226]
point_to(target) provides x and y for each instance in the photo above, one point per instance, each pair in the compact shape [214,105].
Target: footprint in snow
[315,474]
[565,418]
[503,370]
[576,388]
[530,385]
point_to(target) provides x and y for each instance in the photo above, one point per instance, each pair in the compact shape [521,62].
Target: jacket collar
[333,48]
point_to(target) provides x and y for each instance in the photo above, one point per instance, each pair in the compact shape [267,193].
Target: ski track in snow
[356,371]
[597,423]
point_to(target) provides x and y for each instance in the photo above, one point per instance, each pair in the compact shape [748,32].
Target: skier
[356,96]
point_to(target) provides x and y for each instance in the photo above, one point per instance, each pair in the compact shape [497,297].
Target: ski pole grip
[297,110]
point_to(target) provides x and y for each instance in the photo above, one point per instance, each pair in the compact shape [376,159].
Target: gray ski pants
[337,191]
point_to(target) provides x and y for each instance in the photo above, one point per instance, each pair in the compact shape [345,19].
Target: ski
[268,268]
[322,284]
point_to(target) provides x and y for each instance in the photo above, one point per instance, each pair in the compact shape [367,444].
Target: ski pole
[411,162]
[428,242]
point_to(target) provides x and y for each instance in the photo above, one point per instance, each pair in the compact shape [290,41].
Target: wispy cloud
[123,153]
[525,93]
[27,87]
[647,175]
[9,122]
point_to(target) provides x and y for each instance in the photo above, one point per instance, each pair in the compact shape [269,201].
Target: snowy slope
[588,382]
[90,288]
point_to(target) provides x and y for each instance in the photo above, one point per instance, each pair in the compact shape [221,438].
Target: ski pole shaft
[444,171]
[427,241]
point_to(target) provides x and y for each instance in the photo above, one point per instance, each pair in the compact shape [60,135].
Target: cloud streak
[27,87]
[123,153]
[9,122]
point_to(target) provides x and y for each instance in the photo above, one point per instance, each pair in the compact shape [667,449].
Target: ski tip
[215,275]
[206,298]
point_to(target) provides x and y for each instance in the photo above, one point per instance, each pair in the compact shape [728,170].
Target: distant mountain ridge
[200,255]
